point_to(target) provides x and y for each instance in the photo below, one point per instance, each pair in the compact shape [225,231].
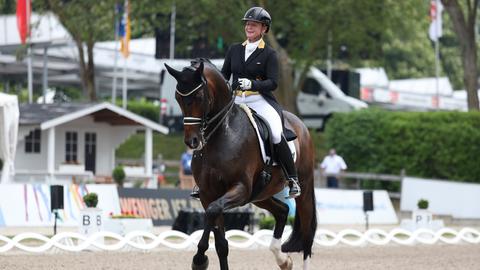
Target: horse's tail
[305,224]
[304,227]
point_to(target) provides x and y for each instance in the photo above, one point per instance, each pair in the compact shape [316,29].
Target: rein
[224,111]
[204,121]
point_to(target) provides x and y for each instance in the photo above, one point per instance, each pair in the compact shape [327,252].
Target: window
[32,141]
[71,146]
[312,87]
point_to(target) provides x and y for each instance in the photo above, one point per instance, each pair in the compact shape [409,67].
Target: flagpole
[29,53]
[437,71]
[437,53]
[114,82]
[172,31]
[329,55]
[125,51]
[29,72]
[124,87]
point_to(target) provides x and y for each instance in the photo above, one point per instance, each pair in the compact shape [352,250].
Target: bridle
[204,121]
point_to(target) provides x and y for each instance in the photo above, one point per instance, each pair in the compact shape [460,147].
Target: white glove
[245,84]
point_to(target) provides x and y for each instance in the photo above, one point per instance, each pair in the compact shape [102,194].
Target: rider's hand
[245,84]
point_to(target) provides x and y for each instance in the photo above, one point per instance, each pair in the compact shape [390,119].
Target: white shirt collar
[250,48]
[253,44]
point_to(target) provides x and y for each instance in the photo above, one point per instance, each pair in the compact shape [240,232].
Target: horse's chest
[215,165]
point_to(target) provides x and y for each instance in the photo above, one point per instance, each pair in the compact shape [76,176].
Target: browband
[191,92]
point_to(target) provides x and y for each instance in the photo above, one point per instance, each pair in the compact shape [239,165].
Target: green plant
[118,175]
[266,223]
[422,204]
[142,107]
[440,145]
[91,199]
[170,146]
[138,184]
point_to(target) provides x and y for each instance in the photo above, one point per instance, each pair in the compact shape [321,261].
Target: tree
[357,31]
[463,19]
[88,21]
[407,51]
[7,6]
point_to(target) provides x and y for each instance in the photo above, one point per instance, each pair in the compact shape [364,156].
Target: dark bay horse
[227,162]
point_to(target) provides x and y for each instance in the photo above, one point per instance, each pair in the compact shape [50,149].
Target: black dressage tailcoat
[261,68]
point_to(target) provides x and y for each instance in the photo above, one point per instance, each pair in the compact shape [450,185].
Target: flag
[124,28]
[23,19]
[435,29]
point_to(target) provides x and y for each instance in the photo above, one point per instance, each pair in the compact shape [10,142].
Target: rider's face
[254,30]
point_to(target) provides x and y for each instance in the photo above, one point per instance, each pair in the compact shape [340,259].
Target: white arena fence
[145,241]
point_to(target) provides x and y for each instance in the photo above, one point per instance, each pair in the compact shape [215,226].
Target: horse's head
[192,96]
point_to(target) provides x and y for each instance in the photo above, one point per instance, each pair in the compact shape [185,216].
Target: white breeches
[262,107]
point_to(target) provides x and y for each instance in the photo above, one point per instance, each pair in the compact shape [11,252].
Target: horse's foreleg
[236,196]
[200,260]
[279,211]
[221,243]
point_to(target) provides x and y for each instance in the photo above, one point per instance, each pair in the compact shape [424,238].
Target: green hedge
[145,109]
[142,107]
[444,145]
[170,146]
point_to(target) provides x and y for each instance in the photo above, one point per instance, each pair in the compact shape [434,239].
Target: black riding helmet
[258,14]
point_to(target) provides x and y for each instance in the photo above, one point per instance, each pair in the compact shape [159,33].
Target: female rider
[254,67]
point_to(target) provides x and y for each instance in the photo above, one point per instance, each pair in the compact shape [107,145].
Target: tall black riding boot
[288,165]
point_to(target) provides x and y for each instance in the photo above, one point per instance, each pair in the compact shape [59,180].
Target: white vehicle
[417,94]
[319,98]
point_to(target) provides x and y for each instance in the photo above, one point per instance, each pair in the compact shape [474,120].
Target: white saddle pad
[291,144]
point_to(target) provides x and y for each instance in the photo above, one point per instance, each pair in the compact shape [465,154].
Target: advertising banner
[460,200]
[161,205]
[29,204]
[336,206]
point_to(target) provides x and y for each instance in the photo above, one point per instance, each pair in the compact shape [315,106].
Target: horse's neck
[222,97]
[231,122]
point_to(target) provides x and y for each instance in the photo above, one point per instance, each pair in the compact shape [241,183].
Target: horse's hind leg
[279,211]
[200,260]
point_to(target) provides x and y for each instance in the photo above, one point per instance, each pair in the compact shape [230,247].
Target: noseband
[205,122]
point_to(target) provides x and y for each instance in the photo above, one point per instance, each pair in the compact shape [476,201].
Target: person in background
[332,165]
[185,174]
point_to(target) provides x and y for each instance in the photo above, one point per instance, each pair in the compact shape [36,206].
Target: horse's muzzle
[194,143]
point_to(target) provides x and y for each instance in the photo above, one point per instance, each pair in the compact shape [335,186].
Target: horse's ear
[175,73]
[199,70]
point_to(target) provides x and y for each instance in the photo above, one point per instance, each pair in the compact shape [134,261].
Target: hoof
[287,265]
[202,265]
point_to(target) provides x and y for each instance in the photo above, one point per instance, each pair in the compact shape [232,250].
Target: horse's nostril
[192,143]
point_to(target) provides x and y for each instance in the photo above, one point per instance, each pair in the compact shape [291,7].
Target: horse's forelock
[210,71]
